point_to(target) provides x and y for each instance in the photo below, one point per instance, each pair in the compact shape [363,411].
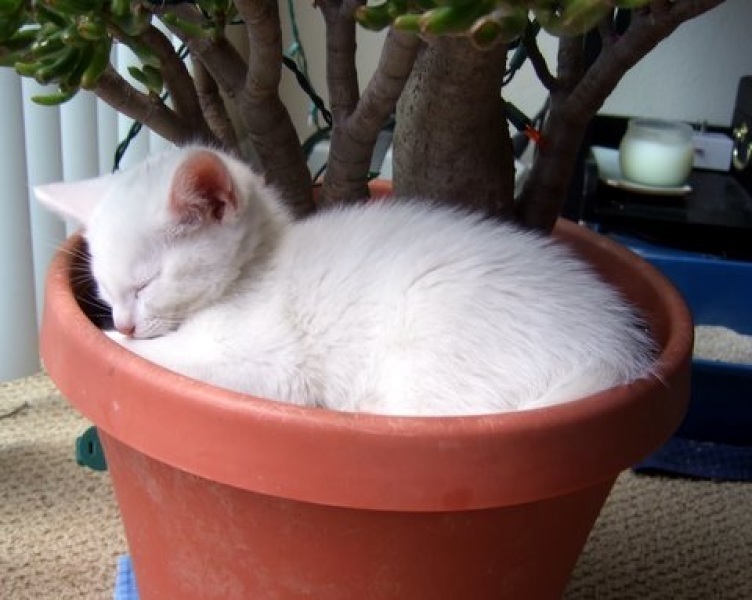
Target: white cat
[401,308]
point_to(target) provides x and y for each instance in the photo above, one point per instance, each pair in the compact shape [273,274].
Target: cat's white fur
[402,308]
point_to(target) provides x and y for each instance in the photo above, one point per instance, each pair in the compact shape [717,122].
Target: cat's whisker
[94,302]
[80,272]
[85,283]
[170,321]
[73,251]
[96,312]
[79,254]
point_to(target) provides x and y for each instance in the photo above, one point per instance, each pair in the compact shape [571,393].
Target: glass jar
[656,153]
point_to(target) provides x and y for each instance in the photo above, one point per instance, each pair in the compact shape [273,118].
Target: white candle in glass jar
[656,153]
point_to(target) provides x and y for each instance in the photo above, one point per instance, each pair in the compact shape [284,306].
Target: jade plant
[441,74]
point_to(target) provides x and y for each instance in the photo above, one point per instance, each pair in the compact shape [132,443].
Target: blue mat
[700,460]
[125,581]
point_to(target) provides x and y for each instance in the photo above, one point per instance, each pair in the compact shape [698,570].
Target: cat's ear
[74,200]
[202,190]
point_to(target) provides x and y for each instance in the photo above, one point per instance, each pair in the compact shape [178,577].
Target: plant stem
[269,124]
[152,113]
[355,132]
[213,107]
[177,80]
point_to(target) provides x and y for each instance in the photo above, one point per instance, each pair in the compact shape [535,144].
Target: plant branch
[606,31]
[225,64]
[150,112]
[570,62]
[341,71]
[659,6]
[381,95]
[261,18]
[223,61]
[269,125]
[355,134]
[213,107]
[177,79]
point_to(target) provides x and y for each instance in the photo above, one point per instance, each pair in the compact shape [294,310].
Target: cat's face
[166,238]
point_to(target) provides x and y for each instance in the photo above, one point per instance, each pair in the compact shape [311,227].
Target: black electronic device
[741,133]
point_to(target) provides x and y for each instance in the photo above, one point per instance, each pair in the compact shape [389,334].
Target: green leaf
[409,22]
[75,7]
[570,17]
[451,19]
[54,98]
[10,7]
[97,65]
[149,77]
[192,29]
[91,27]
[374,18]
[58,66]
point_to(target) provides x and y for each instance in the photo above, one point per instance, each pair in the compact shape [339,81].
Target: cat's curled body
[392,307]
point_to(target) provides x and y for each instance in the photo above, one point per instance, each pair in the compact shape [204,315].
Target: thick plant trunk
[451,141]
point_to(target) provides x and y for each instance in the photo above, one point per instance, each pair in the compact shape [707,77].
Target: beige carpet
[657,539]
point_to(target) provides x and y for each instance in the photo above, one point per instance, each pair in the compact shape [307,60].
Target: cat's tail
[592,379]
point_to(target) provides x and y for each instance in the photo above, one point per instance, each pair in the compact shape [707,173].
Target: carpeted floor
[59,529]
[657,538]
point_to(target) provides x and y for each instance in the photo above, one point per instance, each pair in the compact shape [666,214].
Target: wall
[692,75]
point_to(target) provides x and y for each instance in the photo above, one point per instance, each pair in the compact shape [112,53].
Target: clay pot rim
[370,461]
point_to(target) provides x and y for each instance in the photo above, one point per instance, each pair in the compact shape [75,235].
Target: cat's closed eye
[143,283]
[140,288]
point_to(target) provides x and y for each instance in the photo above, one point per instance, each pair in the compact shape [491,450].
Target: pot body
[196,539]
[227,496]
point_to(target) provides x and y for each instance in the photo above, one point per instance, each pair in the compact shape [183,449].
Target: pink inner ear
[202,189]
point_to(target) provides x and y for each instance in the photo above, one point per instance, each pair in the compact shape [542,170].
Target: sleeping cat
[392,307]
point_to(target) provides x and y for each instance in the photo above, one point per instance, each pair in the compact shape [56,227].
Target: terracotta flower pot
[227,496]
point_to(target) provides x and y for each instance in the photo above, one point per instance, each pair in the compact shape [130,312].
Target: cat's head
[170,235]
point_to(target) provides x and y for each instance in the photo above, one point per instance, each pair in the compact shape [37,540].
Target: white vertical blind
[40,144]
[41,141]
[18,340]
[139,147]
[79,140]
[78,127]
[107,136]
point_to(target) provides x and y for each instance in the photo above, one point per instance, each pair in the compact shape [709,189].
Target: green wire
[297,53]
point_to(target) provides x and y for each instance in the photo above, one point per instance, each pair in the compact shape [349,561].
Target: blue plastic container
[718,292]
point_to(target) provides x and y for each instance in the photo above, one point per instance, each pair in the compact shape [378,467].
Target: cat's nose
[127,329]
[124,321]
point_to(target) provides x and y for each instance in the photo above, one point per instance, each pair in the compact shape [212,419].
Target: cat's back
[400,292]
[414,243]
[386,234]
